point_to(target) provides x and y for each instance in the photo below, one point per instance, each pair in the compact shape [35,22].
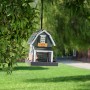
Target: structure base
[41,63]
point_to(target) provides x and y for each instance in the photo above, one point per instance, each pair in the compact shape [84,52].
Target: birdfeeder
[41,43]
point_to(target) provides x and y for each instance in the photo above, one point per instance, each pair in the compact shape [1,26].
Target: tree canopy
[17,22]
[70,22]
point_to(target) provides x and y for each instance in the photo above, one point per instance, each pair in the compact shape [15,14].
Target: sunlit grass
[60,77]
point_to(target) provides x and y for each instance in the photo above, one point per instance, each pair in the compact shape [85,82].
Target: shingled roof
[36,34]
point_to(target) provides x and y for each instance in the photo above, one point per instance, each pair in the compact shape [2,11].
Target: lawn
[62,77]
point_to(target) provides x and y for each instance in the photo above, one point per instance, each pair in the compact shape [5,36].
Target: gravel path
[78,64]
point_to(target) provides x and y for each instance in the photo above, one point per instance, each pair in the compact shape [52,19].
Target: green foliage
[68,22]
[17,22]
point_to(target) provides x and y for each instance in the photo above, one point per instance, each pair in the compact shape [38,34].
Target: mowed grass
[62,77]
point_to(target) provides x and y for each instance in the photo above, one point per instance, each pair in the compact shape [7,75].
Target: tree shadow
[84,86]
[61,79]
[0,69]
[29,68]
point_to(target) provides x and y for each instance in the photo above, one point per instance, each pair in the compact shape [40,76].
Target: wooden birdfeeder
[41,53]
[41,43]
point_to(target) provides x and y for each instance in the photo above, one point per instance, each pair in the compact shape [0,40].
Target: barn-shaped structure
[41,53]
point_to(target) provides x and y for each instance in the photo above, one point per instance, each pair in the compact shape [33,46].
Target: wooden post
[34,56]
[52,56]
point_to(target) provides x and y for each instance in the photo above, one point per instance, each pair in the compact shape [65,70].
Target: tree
[17,22]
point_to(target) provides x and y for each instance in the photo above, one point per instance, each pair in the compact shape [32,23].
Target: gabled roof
[36,34]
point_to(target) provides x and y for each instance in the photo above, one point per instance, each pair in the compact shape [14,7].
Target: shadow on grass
[29,68]
[0,69]
[83,86]
[81,78]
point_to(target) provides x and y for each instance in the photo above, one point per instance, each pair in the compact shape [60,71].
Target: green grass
[63,77]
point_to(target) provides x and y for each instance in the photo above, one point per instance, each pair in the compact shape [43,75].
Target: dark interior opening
[42,57]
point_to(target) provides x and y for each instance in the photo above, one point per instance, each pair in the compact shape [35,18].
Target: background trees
[69,20]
